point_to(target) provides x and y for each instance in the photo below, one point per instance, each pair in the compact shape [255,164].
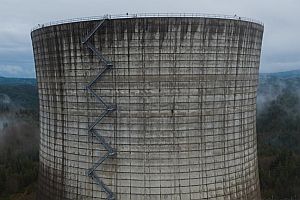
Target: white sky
[281,44]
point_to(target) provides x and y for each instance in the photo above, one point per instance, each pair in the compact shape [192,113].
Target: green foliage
[278,129]
[280,175]
[279,124]
[19,136]
[24,96]
[18,158]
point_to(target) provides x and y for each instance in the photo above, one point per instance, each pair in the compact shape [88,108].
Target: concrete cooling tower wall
[154,108]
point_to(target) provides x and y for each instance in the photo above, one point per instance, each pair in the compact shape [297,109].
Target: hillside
[19,138]
[278,130]
[19,92]
[17,81]
[278,101]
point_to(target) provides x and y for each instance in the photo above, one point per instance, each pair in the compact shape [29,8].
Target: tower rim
[147,15]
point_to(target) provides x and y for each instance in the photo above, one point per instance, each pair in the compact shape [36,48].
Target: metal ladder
[109,108]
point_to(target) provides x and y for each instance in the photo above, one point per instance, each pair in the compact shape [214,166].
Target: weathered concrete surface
[186,95]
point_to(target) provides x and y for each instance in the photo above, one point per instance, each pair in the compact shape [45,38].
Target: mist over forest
[19,138]
[278,130]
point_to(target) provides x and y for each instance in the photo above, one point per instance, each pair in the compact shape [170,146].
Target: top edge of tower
[147,15]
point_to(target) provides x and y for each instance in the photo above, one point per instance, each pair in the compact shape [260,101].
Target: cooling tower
[148,107]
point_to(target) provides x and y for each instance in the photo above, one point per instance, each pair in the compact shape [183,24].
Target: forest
[278,131]
[19,139]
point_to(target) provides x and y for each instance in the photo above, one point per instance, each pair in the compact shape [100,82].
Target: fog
[271,87]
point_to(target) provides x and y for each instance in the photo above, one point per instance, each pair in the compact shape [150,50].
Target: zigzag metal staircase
[108,109]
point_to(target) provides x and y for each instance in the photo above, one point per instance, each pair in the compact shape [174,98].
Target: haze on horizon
[281,43]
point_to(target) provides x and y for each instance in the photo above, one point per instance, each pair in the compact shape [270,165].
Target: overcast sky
[281,43]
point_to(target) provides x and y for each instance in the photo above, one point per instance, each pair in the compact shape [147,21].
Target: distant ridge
[17,81]
[284,74]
